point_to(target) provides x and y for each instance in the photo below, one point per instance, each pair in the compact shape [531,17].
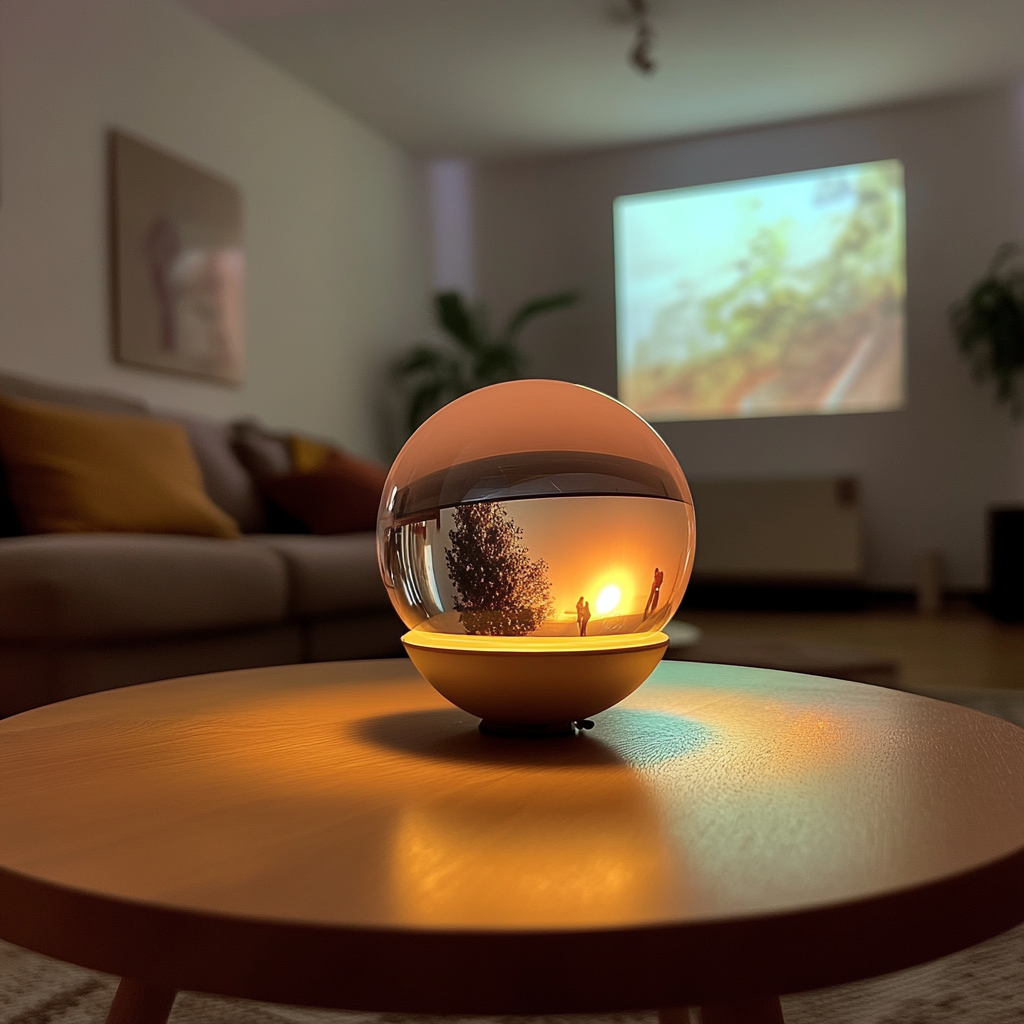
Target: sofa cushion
[308,453]
[14,386]
[261,451]
[341,496]
[226,480]
[348,637]
[78,471]
[329,575]
[118,586]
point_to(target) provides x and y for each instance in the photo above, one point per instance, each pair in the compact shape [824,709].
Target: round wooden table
[337,835]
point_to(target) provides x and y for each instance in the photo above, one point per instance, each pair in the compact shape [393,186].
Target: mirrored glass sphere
[536,509]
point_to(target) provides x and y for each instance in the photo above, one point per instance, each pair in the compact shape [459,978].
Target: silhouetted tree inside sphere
[501,591]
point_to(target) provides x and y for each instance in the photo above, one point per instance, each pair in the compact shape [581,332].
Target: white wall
[451,206]
[929,471]
[336,221]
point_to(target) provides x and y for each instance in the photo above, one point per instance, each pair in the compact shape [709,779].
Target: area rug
[981,985]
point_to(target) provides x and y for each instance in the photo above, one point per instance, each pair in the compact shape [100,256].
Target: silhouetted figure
[584,617]
[579,614]
[652,600]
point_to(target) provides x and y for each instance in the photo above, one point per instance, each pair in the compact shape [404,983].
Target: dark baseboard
[792,597]
[749,597]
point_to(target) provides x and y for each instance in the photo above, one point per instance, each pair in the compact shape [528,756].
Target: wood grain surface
[338,835]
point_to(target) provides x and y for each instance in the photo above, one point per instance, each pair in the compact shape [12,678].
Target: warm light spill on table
[710,790]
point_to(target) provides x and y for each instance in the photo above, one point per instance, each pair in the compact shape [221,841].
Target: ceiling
[502,78]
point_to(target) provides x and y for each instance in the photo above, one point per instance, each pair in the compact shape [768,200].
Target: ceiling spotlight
[640,54]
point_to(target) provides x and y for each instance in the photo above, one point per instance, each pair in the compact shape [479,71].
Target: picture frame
[177,264]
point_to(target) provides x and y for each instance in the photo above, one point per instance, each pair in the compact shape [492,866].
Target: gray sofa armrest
[329,575]
[74,587]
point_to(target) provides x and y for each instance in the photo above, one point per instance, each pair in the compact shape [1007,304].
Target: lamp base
[526,730]
[534,686]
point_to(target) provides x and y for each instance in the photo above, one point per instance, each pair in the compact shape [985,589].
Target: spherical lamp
[535,536]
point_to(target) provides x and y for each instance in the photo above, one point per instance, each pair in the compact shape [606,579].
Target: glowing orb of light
[535,536]
[537,511]
[608,599]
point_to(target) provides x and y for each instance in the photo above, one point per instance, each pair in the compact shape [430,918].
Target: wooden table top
[337,834]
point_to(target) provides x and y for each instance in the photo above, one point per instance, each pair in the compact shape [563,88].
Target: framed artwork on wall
[177,264]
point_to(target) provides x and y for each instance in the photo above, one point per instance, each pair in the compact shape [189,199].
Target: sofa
[81,612]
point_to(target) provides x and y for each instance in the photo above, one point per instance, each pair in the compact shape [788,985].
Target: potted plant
[989,326]
[475,358]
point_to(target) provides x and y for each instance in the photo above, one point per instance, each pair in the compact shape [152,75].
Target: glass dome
[536,509]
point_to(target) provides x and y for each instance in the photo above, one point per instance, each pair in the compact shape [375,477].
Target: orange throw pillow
[341,496]
[308,454]
[73,471]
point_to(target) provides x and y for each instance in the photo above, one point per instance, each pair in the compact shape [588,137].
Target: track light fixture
[640,54]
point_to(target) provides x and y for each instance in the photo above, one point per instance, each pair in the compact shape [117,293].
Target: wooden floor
[959,648]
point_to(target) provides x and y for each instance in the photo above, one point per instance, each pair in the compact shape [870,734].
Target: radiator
[778,531]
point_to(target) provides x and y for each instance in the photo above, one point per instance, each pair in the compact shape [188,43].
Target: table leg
[139,1003]
[766,1010]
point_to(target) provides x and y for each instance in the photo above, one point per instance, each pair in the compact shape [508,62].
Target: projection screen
[766,297]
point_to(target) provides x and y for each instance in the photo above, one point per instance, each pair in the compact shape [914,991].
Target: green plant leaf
[434,376]
[544,304]
[496,363]
[455,317]
[1006,252]
[421,402]
[430,396]
[420,359]
[989,326]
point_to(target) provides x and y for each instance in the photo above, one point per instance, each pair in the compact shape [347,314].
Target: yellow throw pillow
[72,471]
[308,455]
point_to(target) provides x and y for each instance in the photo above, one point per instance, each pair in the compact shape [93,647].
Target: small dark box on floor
[1006,563]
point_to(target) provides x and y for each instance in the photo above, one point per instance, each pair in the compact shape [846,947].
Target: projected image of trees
[773,296]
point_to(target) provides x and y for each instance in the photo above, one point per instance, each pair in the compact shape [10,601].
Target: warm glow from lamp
[531,853]
[532,522]
[608,599]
